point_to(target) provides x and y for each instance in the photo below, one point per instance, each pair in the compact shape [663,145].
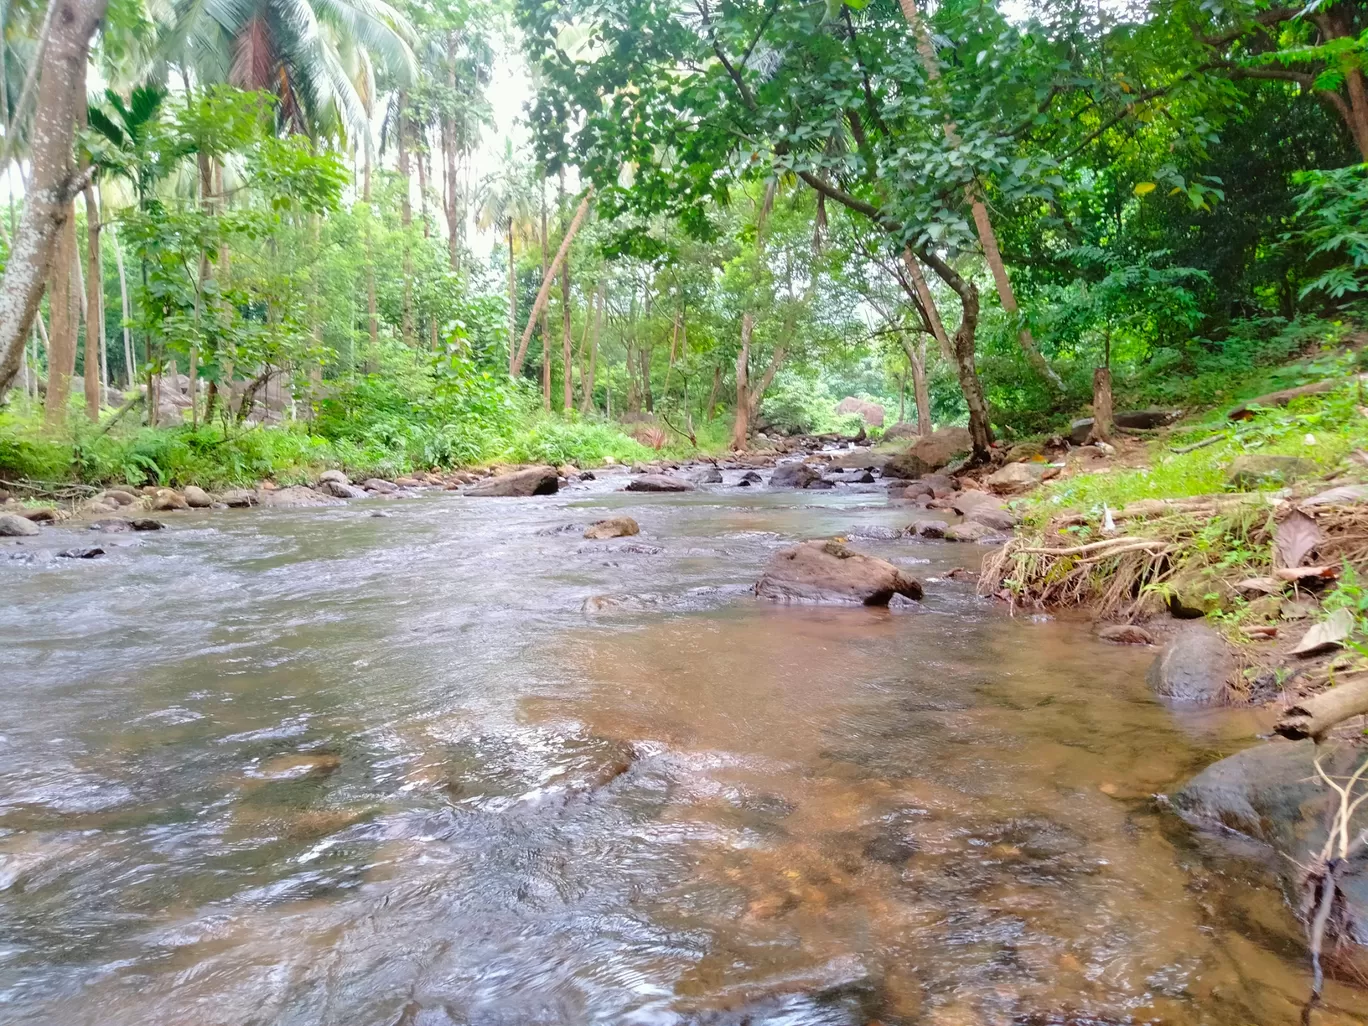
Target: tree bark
[567,370]
[982,223]
[1313,717]
[921,395]
[405,219]
[644,357]
[449,153]
[125,308]
[512,302]
[587,384]
[962,347]
[94,344]
[54,180]
[711,408]
[928,303]
[546,317]
[372,310]
[741,425]
[542,293]
[1101,430]
[65,316]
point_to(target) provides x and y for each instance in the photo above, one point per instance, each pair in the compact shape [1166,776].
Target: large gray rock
[333,475]
[829,572]
[197,498]
[930,452]
[12,526]
[340,489]
[1193,669]
[794,475]
[168,499]
[1016,478]
[613,527]
[540,480]
[971,531]
[1259,470]
[707,475]
[857,459]
[871,413]
[1272,793]
[296,496]
[658,483]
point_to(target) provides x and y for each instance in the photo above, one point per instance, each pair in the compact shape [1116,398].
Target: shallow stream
[456,765]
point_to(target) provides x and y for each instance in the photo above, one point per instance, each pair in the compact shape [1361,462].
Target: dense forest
[718,220]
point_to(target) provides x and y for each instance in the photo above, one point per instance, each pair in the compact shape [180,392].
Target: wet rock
[995,519]
[929,452]
[409,482]
[588,475]
[829,572]
[968,502]
[820,485]
[928,528]
[376,484]
[749,478]
[168,499]
[119,496]
[1126,634]
[708,475]
[1272,793]
[380,513]
[296,496]
[340,489]
[12,526]
[295,766]
[970,531]
[658,483]
[1258,470]
[1193,668]
[918,490]
[333,475]
[857,459]
[145,524]
[239,498]
[794,475]
[197,498]
[41,514]
[111,525]
[876,532]
[613,527]
[1016,478]
[540,480]
[86,553]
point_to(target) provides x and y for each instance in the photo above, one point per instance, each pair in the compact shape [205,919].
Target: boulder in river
[168,499]
[12,526]
[89,552]
[749,478]
[613,527]
[928,528]
[540,480]
[111,525]
[829,572]
[1126,634]
[145,524]
[708,475]
[240,498]
[971,531]
[658,483]
[929,452]
[1193,669]
[340,489]
[995,519]
[1272,793]
[118,496]
[333,475]
[377,484]
[197,498]
[794,475]
[296,496]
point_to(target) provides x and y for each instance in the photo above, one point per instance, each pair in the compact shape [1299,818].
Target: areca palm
[508,200]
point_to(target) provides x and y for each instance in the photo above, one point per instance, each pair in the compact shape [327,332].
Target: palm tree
[508,201]
[315,56]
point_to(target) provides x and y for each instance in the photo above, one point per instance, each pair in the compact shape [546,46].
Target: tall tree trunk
[644,355]
[513,370]
[65,316]
[449,154]
[711,409]
[130,364]
[539,304]
[922,293]
[587,385]
[54,180]
[405,218]
[983,224]
[372,310]
[962,347]
[916,359]
[1101,430]
[94,355]
[546,315]
[420,157]
[568,399]
[741,425]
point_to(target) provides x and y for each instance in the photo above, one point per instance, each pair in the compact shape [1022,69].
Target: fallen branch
[118,415]
[1145,546]
[1212,440]
[1078,550]
[50,489]
[1314,717]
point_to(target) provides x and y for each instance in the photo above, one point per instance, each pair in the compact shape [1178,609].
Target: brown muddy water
[314,766]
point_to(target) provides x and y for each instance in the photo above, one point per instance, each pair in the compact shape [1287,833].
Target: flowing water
[457,765]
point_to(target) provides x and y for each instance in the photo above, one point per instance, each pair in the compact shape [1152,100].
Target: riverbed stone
[831,573]
[41,514]
[658,483]
[146,524]
[88,552]
[334,475]
[1016,478]
[168,499]
[341,489]
[1260,470]
[111,525]
[613,527]
[119,496]
[970,531]
[794,475]
[197,498]
[928,528]
[1193,669]
[707,475]
[296,496]
[538,480]
[12,526]
[1273,794]
[929,453]
[996,519]
[240,498]
[377,484]
[1125,634]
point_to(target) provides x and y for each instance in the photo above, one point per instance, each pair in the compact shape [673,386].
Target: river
[456,765]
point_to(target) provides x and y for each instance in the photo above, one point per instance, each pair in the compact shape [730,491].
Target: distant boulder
[794,475]
[658,483]
[871,413]
[540,480]
[929,452]
[830,573]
